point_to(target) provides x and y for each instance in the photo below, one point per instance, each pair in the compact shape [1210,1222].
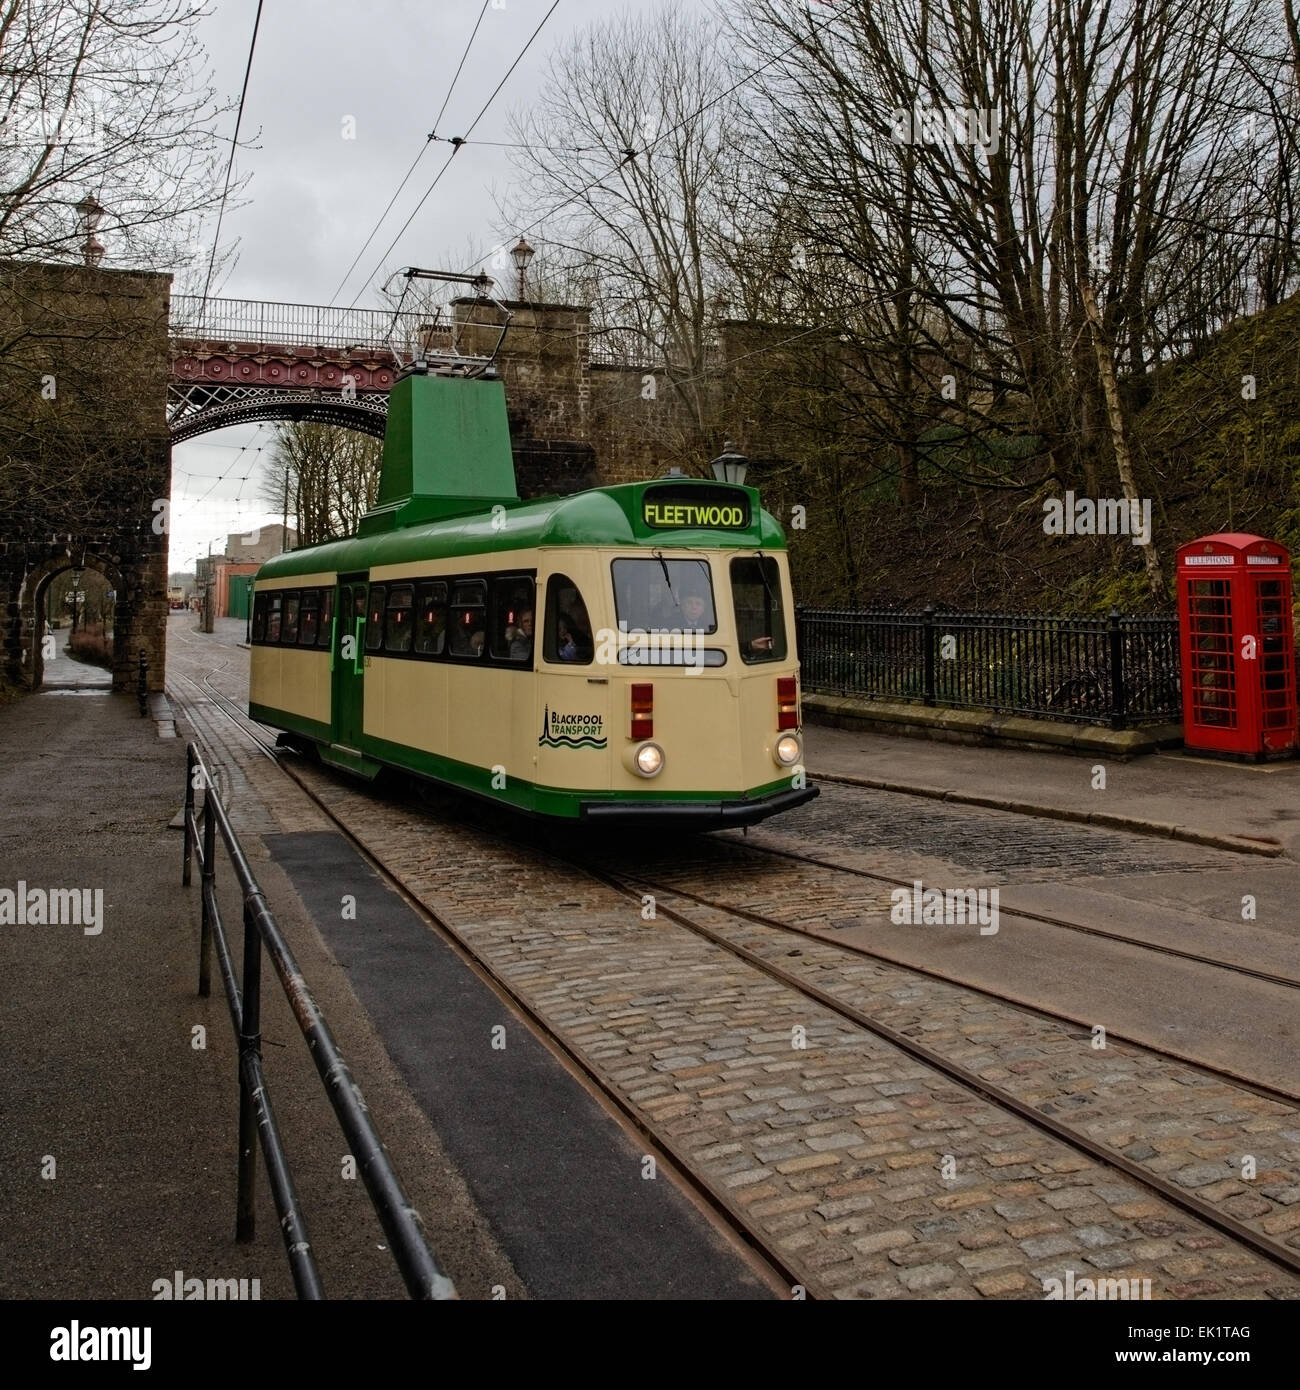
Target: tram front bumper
[694,815]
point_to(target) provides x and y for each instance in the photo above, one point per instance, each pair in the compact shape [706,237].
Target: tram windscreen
[760,623]
[664,596]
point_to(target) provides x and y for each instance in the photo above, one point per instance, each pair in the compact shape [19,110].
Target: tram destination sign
[695,508]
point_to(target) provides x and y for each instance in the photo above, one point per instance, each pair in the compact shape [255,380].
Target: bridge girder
[195,408]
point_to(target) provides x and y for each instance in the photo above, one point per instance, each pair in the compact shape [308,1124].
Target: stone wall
[574,422]
[84,454]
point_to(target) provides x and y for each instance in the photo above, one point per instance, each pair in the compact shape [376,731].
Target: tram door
[350,659]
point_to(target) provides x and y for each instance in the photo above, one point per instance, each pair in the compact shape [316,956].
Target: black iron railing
[420,1269]
[1113,670]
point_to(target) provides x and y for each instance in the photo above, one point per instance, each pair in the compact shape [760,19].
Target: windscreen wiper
[762,574]
[663,565]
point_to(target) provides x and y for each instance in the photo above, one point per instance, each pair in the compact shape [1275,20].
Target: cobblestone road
[874,1175]
[1005,846]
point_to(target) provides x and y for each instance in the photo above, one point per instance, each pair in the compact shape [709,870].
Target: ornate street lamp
[89,210]
[729,466]
[521,253]
[75,595]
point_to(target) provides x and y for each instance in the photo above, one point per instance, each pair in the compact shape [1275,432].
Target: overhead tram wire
[429,139]
[233,464]
[458,141]
[230,163]
[630,154]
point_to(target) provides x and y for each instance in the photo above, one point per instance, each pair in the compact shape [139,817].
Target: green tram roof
[606,516]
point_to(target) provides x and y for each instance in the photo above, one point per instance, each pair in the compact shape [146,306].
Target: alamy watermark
[1081,1290]
[1100,516]
[55,128]
[662,647]
[178,1287]
[945,907]
[945,125]
[53,907]
[77,1343]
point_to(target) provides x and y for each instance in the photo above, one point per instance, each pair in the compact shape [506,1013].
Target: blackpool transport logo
[572,730]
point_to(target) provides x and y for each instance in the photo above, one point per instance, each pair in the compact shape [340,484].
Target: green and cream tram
[621,654]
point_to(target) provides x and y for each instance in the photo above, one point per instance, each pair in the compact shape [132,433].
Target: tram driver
[694,608]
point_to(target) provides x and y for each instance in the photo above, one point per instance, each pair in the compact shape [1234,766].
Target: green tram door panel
[349,661]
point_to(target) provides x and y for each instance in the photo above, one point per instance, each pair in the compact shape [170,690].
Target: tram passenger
[521,645]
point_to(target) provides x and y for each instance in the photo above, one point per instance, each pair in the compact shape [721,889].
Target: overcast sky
[313,196]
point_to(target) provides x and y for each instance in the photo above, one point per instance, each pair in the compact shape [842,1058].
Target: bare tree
[632,135]
[325,476]
[106,98]
[967,169]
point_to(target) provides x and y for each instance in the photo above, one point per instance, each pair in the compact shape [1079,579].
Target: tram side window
[375,618]
[326,634]
[289,630]
[309,618]
[760,622]
[513,619]
[568,635]
[468,618]
[259,617]
[399,630]
[431,619]
[273,615]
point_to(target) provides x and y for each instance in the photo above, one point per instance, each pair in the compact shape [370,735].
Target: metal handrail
[265,321]
[419,1267]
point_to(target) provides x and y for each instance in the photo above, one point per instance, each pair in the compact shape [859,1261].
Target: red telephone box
[1236,646]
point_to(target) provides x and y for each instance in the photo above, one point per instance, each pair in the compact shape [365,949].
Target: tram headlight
[788,750]
[648,760]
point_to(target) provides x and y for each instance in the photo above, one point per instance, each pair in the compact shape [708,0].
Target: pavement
[1250,807]
[118,1090]
[64,673]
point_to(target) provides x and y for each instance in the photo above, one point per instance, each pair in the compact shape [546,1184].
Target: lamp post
[89,210]
[208,605]
[75,596]
[521,253]
[729,466]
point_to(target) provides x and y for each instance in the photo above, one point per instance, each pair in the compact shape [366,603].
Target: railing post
[927,641]
[207,889]
[1118,694]
[250,1041]
[187,811]
[142,684]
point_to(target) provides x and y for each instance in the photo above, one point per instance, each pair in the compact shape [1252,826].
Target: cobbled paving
[872,1175]
[1005,846]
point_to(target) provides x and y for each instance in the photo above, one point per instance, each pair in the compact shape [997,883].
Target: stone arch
[31,602]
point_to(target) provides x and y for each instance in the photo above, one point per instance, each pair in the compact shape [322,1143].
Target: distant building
[245,553]
[259,544]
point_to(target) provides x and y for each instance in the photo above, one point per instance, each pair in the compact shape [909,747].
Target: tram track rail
[991,1091]
[1027,915]
[634,888]
[1259,1088]
[768,1262]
